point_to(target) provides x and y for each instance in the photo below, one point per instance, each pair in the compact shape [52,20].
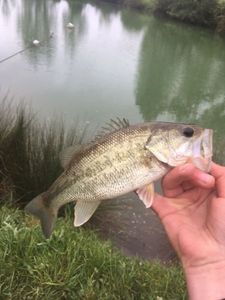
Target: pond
[114,63]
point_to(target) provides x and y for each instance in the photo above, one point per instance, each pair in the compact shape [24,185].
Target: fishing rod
[32,44]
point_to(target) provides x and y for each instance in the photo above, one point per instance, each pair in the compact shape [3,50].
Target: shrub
[193,11]
[220,16]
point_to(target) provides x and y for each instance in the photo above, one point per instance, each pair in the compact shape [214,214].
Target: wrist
[206,281]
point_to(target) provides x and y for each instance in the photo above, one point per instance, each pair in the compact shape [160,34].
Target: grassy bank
[74,264]
[29,153]
[209,13]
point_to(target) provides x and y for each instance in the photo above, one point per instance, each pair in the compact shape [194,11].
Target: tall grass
[29,159]
[75,264]
[29,153]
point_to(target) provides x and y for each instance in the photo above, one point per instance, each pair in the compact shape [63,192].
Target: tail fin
[46,215]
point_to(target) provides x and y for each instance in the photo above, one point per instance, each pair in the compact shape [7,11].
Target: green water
[113,63]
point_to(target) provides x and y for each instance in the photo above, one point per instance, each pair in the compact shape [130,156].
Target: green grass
[29,153]
[75,264]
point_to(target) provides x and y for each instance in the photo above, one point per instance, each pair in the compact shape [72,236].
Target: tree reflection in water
[181,75]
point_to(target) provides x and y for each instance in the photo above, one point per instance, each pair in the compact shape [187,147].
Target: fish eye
[188,132]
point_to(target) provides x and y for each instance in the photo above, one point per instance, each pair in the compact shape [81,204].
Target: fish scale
[128,159]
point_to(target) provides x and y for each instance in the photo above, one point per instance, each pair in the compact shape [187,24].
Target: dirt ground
[137,231]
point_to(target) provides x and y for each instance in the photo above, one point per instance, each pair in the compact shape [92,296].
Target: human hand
[192,211]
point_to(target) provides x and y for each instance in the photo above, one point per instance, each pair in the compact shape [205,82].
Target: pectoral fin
[83,211]
[67,154]
[146,194]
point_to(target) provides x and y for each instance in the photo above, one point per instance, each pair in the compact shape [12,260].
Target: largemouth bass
[128,159]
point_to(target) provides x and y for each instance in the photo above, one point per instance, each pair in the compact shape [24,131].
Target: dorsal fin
[113,125]
[66,155]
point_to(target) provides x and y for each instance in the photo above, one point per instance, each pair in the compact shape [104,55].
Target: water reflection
[181,75]
[6,6]
[113,63]
[34,23]
[135,24]
[87,73]
[106,12]
[40,19]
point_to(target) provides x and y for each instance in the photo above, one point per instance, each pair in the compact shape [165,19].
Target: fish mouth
[202,151]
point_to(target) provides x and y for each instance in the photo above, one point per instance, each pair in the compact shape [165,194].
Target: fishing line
[29,46]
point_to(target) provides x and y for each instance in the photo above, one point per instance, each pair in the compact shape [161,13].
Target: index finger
[172,182]
[219,173]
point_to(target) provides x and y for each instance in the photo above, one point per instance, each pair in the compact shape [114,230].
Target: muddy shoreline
[137,231]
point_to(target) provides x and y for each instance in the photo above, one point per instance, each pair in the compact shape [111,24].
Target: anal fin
[84,211]
[146,194]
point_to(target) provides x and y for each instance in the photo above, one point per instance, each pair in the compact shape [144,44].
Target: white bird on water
[70,25]
[36,42]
